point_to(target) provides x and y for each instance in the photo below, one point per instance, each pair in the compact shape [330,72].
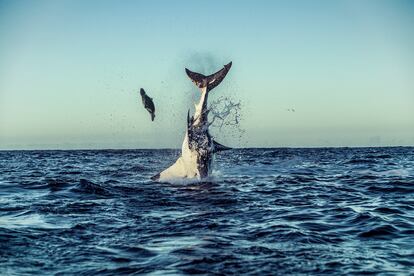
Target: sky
[70,72]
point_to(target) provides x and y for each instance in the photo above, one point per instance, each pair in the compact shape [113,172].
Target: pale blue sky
[70,71]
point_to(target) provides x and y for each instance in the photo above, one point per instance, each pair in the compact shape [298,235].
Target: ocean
[281,211]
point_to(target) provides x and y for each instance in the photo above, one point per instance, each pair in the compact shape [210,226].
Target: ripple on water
[383,231]
[294,211]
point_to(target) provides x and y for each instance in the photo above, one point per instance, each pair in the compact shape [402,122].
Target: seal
[148,103]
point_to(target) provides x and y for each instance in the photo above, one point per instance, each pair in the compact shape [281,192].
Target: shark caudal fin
[210,81]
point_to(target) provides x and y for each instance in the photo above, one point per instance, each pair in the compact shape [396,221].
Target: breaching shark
[198,147]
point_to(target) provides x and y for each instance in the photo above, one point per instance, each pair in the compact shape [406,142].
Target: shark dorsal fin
[219,147]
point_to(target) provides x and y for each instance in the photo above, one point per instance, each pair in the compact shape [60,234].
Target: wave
[294,211]
[88,187]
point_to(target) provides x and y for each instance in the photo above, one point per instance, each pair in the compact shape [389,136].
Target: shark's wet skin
[198,147]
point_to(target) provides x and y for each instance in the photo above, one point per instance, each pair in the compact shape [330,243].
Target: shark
[199,147]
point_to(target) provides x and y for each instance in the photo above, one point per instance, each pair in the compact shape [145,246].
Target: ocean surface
[265,211]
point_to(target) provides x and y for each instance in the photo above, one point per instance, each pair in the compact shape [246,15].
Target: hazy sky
[70,71]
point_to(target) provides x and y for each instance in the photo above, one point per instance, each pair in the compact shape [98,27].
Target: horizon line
[236,148]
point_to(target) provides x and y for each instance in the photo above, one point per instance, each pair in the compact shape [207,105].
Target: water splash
[225,117]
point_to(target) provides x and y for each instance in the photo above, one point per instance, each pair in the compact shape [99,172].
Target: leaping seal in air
[148,103]
[198,146]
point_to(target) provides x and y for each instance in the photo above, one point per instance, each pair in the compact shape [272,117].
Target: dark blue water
[267,211]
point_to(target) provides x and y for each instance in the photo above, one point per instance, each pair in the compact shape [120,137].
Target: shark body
[198,147]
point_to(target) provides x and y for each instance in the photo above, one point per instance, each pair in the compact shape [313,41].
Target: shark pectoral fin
[219,147]
[156,177]
[176,170]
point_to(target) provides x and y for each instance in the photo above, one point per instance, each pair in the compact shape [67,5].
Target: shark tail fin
[210,81]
